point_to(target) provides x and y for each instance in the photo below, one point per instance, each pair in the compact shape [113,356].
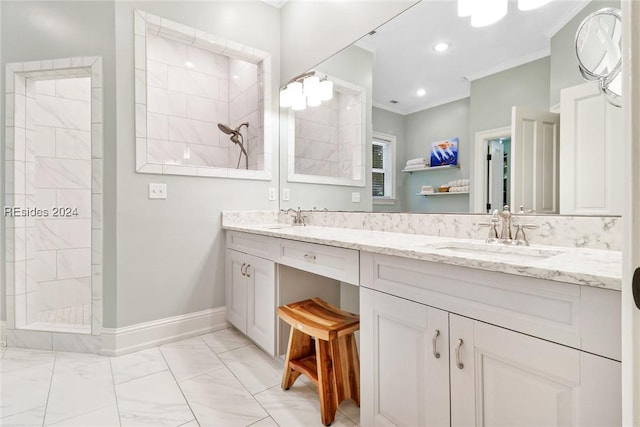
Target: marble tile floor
[217,379]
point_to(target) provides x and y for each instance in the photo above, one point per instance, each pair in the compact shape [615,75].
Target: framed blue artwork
[444,153]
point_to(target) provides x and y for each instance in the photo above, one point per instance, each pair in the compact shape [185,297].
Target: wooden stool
[322,346]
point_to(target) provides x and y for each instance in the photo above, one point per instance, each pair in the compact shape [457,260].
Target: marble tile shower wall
[60,270]
[190,91]
[246,105]
[349,135]
[326,137]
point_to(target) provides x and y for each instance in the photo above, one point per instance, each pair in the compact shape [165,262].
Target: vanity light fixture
[531,4]
[441,47]
[487,12]
[421,92]
[306,90]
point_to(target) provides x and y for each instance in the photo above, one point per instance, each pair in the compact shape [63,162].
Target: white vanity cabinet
[505,378]
[405,379]
[486,374]
[250,294]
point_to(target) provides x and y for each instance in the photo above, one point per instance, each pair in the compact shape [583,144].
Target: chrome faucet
[506,219]
[298,218]
[505,223]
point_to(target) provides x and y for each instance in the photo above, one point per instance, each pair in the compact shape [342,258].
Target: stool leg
[300,345]
[326,382]
[346,368]
[353,370]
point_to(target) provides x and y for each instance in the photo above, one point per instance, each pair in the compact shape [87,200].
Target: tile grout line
[179,388]
[244,386]
[53,370]
[115,394]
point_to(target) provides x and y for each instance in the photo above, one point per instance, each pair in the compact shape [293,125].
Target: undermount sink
[496,250]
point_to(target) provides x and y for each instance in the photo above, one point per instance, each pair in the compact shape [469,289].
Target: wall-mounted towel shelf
[442,194]
[431,168]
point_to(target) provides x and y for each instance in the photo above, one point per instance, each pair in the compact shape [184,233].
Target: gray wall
[44,30]
[314,30]
[392,124]
[564,66]
[171,252]
[493,97]
[353,65]
[423,128]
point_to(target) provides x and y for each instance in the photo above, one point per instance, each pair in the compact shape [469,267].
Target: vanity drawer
[336,263]
[262,246]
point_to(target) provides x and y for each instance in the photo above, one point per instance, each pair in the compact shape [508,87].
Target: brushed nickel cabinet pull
[458,348]
[436,353]
[310,257]
[242,270]
[246,270]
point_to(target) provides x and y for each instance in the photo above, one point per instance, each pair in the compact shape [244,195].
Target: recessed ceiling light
[441,47]
[393,101]
[421,92]
[188,64]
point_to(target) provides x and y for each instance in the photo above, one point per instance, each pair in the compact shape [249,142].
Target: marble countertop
[587,267]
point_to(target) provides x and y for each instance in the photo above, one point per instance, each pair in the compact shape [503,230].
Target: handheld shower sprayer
[237,138]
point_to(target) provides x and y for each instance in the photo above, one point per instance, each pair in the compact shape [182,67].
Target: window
[382,173]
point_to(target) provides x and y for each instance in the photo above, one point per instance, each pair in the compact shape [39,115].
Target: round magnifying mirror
[612,89]
[598,44]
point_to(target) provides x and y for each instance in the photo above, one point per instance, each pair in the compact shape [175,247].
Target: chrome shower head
[226,129]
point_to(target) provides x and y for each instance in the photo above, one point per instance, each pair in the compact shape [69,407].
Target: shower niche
[201,103]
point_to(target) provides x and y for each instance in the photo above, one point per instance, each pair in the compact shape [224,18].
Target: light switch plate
[355,197]
[272,193]
[157,191]
[286,195]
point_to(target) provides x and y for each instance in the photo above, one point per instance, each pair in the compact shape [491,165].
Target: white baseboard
[119,341]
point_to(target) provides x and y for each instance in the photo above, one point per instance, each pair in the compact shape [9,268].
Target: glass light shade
[299,102]
[467,7]
[313,101]
[531,4]
[326,90]
[285,98]
[311,86]
[491,12]
[296,89]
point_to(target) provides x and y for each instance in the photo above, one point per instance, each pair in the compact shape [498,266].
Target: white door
[504,378]
[591,175]
[496,175]
[631,254]
[261,302]
[405,378]
[535,139]
[236,289]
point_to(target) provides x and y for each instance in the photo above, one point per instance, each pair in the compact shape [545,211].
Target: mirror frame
[146,22]
[359,171]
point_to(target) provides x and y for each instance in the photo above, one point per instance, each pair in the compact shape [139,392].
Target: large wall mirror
[435,84]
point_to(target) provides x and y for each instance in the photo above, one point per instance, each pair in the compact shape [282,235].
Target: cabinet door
[236,289]
[504,378]
[403,382]
[261,302]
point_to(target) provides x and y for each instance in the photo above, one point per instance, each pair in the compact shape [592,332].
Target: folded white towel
[459,189]
[413,167]
[458,182]
[427,188]
[417,161]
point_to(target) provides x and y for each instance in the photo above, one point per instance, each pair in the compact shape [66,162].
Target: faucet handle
[493,230]
[520,231]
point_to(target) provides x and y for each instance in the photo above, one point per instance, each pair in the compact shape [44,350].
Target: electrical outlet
[272,193]
[157,191]
[286,195]
[355,197]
